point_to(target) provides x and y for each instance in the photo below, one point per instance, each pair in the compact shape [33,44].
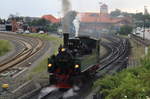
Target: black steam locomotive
[76,61]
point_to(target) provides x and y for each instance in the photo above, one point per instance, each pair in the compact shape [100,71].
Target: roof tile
[51,18]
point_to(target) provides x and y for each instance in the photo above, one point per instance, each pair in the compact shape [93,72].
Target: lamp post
[145,17]
[98,33]
[144,20]
[144,29]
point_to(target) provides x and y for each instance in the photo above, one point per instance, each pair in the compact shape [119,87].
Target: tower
[103,9]
[145,10]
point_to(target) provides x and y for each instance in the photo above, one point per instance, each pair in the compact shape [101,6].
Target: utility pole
[144,29]
[145,12]
[98,34]
[145,18]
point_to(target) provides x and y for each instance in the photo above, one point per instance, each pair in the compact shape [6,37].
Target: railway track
[30,46]
[118,47]
[29,51]
[115,61]
[118,63]
[120,51]
[140,40]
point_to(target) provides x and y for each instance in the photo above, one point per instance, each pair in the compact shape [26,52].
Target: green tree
[115,13]
[126,30]
[52,27]
[0,20]
[138,16]
[39,22]
[140,20]
[45,25]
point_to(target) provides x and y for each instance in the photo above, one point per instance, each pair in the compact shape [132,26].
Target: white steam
[46,91]
[76,23]
[71,92]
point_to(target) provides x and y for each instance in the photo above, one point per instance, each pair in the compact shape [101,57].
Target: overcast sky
[41,7]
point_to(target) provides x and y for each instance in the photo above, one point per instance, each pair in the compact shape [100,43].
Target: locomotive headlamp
[63,49]
[49,65]
[76,66]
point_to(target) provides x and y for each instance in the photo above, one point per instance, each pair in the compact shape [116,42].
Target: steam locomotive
[77,61]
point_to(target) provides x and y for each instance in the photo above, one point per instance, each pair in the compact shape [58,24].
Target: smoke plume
[68,17]
[66,6]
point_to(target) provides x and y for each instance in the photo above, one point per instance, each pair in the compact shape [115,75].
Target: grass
[88,60]
[39,70]
[5,47]
[42,66]
[103,51]
[138,51]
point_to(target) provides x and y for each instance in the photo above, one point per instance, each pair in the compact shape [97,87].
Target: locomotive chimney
[66,38]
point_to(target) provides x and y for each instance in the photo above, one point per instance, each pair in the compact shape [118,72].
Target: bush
[126,30]
[133,83]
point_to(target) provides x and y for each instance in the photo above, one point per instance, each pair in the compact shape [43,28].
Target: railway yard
[73,49]
[28,51]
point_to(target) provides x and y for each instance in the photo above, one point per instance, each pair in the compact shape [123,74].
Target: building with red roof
[102,20]
[90,17]
[51,18]
[102,17]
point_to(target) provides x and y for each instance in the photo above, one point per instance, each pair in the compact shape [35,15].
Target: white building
[141,32]
[2,27]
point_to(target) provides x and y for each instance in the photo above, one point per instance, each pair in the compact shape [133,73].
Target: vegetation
[118,12]
[40,68]
[126,30]
[132,83]
[89,60]
[39,22]
[138,51]
[115,13]
[139,19]
[5,47]
[45,25]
